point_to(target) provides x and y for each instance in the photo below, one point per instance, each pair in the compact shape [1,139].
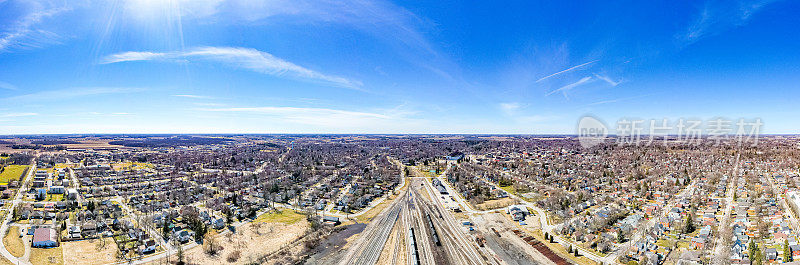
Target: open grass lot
[131,165]
[55,197]
[12,172]
[371,213]
[47,256]
[86,252]
[13,242]
[558,248]
[510,189]
[495,204]
[250,241]
[280,216]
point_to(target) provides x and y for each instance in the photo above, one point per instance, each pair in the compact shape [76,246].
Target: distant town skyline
[385,67]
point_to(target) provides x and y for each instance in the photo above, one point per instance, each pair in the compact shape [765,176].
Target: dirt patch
[93,251]
[330,250]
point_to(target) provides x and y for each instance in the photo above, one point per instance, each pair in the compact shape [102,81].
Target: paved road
[75,182]
[7,220]
[546,227]
[640,231]
[718,243]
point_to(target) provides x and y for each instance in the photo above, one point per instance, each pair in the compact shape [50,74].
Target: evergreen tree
[180,254]
[787,253]
[165,230]
[689,227]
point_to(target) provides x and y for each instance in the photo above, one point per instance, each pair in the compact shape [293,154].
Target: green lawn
[55,197]
[510,189]
[685,244]
[12,172]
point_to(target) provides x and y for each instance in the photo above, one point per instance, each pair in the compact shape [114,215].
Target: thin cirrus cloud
[18,114]
[565,71]
[7,86]
[509,107]
[607,79]
[246,58]
[331,118]
[71,93]
[719,16]
[24,34]
[571,86]
[192,96]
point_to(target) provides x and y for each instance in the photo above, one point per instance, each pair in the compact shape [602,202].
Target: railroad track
[455,250]
[369,249]
[423,242]
[458,247]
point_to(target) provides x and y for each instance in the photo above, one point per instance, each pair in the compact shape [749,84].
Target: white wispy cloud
[208,104]
[133,56]
[246,58]
[8,86]
[192,96]
[380,18]
[607,79]
[23,34]
[399,28]
[719,16]
[316,116]
[616,100]
[71,93]
[509,107]
[536,118]
[18,114]
[569,87]
[565,71]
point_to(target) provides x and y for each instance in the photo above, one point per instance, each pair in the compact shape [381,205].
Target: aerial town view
[382,132]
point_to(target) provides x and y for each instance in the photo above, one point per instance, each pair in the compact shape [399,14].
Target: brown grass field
[13,242]
[86,252]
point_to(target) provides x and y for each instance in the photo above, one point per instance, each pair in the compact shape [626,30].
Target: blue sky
[531,67]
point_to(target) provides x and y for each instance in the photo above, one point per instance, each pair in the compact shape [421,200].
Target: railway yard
[423,231]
